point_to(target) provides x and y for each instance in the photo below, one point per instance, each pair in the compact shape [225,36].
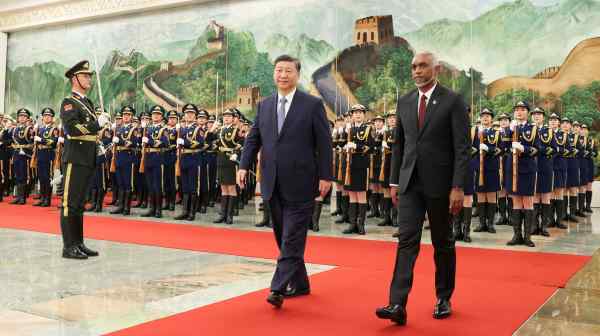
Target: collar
[428,92]
[82,96]
[288,97]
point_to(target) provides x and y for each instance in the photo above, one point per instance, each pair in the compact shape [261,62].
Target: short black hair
[288,58]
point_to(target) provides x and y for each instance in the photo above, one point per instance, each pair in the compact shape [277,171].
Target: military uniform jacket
[474,150]
[582,146]
[528,137]
[230,140]
[491,138]
[362,136]
[4,143]
[193,138]
[81,128]
[157,141]
[22,139]
[562,150]
[129,139]
[547,150]
[574,149]
[170,153]
[47,147]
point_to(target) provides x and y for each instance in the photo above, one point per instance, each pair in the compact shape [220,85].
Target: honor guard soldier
[520,179]
[4,156]
[211,158]
[559,167]
[358,147]
[203,175]
[230,145]
[154,141]
[171,131]
[389,218]
[101,173]
[573,178]
[583,169]
[462,223]
[591,153]
[45,148]
[488,180]
[191,141]
[375,167]
[545,173]
[504,202]
[22,145]
[125,141]
[79,158]
[339,142]
[140,186]
[114,184]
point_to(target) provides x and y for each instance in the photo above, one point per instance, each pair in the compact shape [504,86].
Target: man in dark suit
[296,159]
[429,162]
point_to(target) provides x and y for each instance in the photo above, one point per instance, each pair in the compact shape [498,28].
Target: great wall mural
[220,55]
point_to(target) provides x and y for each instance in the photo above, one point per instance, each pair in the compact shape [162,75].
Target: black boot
[152,210]
[491,213]
[374,200]
[172,201]
[581,205]
[527,227]
[41,202]
[352,214]
[515,220]
[121,203]
[266,220]
[203,202]
[127,203]
[386,206]
[231,209]
[546,218]
[99,201]
[502,218]
[235,200]
[185,207]
[466,221]
[572,209]
[20,194]
[138,200]
[561,209]
[338,200]
[481,210]
[394,215]
[457,225]
[553,214]
[316,216]
[223,212]
[115,196]
[158,206]
[69,227]
[193,206]
[360,220]
[588,202]
[537,214]
[344,205]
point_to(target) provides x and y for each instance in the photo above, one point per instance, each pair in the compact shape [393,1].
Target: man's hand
[394,194]
[241,178]
[324,187]
[457,196]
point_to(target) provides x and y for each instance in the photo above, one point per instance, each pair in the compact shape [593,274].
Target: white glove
[180,141]
[177,126]
[116,140]
[483,147]
[37,139]
[233,157]
[517,145]
[144,124]
[113,125]
[35,127]
[384,144]
[103,120]
[61,140]
[145,140]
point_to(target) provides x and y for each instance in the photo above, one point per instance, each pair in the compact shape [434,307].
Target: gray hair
[434,59]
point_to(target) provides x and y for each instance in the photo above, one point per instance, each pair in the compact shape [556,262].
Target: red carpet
[496,290]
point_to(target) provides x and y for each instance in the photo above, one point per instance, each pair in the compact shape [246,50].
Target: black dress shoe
[275,299]
[293,292]
[394,312]
[73,253]
[87,251]
[442,309]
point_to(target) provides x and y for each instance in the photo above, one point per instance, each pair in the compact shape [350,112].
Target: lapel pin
[434,102]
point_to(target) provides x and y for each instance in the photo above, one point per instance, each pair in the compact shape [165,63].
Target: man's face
[156,118]
[565,126]
[202,120]
[85,81]
[126,118]
[423,71]
[119,121]
[172,121]
[190,117]
[486,119]
[358,117]
[577,129]
[379,124]
[21,119]
[285,76]
[553,123]
[47,119]
[227,119]
[391,121]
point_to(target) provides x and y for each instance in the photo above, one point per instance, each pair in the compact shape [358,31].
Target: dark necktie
[422,108]
[281,114]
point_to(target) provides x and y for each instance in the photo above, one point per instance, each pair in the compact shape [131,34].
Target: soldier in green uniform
[79,158]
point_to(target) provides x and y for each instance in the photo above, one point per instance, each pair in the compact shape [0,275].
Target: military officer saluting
[154,141]
[79,158]
[22,145]
[45,147]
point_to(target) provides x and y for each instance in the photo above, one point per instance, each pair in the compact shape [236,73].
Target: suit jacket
[438,152]
[298,157]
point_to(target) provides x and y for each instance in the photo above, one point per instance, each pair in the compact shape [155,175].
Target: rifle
[481,159]
[143,159]
[515,162]
[113,161]
[382,170]
[58,153]
[177,163]
[348,177]
[33,162]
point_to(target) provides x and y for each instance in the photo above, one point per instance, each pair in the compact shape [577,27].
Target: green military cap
[538,110]
[487,111]
[358,108]
[82,67]
[24,111]
[554,116]
[48,111]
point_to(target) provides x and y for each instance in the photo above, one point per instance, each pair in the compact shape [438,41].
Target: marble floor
[46,295]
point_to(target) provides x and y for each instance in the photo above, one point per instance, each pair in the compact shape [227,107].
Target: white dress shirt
[427,94]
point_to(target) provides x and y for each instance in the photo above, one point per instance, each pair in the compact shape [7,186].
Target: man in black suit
[296,164]
[429,162]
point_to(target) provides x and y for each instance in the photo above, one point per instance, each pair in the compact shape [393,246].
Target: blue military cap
[24,111]
[554,116]
[82,67]
[158,110]
[211,118]
[118,115]
[145,114]
[379,117]
[202,113]
[522,103]
[487,111]
[48,111]
[128,110]
[172,114]
[502,116]
[538,110]
[190,108]
[584,126]
[230,112]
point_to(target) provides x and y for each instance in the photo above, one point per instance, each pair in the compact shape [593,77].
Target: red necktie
[422,108]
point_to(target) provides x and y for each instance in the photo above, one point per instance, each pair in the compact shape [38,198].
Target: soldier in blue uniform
[203,174]
[591,153]
[140,187]
[230,145]
[22,145]
[573,178]
[462,223]
[359,146]
[114,184]
[154,141]
[375,167]
[583,170]
[170,158]
[341,138]
[211,159]
[125,141]
[388,210]
[191,141]
[559,171]
[524,148]
[504,202]
[545,172]
[488,184]
[45,147]
[101,171]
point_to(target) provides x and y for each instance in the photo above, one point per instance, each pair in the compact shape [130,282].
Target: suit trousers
[290,226]
[412,206]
